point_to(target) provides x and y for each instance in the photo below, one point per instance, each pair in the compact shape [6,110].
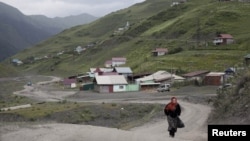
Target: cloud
[61,8]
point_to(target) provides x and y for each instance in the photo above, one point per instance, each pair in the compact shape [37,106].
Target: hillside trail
[193,115]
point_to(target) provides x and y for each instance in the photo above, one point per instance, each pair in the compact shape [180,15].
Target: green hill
[186,30]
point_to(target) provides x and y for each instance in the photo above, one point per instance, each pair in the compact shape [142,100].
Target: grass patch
[123,116]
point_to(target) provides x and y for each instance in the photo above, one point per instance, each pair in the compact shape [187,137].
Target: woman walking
[173,110]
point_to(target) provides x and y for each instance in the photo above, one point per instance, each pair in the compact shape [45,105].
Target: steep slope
[19,31]
[187,30]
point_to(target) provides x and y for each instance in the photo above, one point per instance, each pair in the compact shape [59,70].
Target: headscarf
[172,105]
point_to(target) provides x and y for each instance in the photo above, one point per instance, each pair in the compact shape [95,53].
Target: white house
[159,51]
[110,83]
[17,62]
[79,49]
[223,39]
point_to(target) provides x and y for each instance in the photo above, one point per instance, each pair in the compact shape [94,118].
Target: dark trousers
[172,132]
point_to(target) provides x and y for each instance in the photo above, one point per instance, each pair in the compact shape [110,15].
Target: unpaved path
[39,92]
[193,115]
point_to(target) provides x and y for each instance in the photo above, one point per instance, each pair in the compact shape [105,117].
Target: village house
[79,49]
[87,80]
[159,51]
[160,77]
[118,61]
[110,83]
[223,39]
[154,80]
[17,62]
[177,2]
[214,78]
[196,75]
[115,61]
[69,83]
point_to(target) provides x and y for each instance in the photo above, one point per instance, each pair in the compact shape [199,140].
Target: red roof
[119,59]
[98,70]
[226,36]
[67,81]
[160,50]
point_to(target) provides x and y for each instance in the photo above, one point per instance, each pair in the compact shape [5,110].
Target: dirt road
[194,116]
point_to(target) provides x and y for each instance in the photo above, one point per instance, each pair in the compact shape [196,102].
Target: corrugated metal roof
[110,79]
[215,74]
[159,75]
[123,70]
[177,77]
[195,73]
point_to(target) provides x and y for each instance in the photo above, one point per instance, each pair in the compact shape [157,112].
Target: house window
[121,87]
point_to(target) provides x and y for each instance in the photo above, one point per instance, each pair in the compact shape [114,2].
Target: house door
[111,89]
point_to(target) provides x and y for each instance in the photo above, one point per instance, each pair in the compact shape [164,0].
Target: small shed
[214,78]
[223,39]
[159,51]
[69,83]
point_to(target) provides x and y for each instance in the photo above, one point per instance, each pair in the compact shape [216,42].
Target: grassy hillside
[8,71]
[186,30]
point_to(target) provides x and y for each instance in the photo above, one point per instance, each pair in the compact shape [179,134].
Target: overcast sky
[62,8]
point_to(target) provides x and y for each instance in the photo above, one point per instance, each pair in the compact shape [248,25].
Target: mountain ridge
[19,31]
[186,30]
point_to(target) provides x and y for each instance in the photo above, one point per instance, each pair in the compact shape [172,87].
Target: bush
[175,50]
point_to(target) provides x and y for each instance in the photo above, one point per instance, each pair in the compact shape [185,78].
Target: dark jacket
[175,113]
